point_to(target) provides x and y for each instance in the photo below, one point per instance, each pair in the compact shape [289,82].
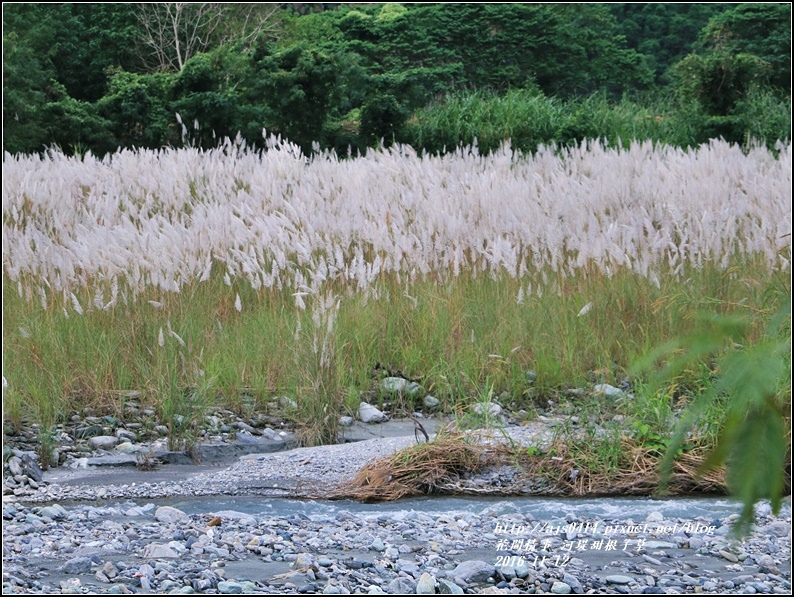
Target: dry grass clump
[437,466]
[422,469]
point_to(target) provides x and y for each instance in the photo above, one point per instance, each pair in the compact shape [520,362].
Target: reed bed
[195,276]
[274,218]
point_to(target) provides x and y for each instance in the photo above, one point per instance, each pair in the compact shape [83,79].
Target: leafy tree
[724,76]
[593,56]
[25,83]
[663,32]
[137,106]
[382,118]
[760,29]
[210,91]
[300,86]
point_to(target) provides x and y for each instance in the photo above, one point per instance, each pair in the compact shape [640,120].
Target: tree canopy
[100,76]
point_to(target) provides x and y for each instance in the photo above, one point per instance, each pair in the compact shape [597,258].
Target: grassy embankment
[467,335]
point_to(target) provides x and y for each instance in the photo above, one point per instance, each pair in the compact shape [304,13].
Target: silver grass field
[202,277]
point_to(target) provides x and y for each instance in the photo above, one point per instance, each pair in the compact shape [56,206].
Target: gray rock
[446,587]
[779,528]
[474,571]
[560,588]
[124,434]
[110,570]
[695,543]
[54,512]
[80,565]
[522,570]
[229,588]
[573,582]
[103,442]
[654,516]
[304,560]
[377,544]
[31,468]
[398,385]
[15,465]
[487,408]
[508,572]
[346,421]
[431,402]
[402,585]
[426,584]
[619,579]
[168,515]
[369,414]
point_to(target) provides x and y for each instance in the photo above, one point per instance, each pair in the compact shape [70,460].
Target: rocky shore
[89,529]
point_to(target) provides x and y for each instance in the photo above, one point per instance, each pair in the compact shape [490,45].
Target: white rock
[168,514]
[369,414]
[426,584]
[158,550]
[127,448]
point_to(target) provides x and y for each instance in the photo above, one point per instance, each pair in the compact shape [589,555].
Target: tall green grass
[528,119]
[460,336]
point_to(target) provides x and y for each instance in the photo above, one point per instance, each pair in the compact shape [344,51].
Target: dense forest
[349,76]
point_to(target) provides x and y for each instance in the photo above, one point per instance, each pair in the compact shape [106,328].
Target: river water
[543,509]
